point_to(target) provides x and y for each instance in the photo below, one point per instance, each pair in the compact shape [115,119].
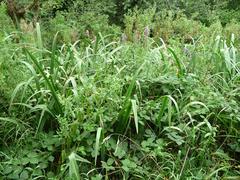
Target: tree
[17,12]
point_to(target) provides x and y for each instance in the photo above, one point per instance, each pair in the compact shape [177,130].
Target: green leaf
[32,155]
[98,136]
[24,175]
[25,160]
[34,160]
[48,82]
[162,109]
[39,37]
[127,165]
[176,138]
[124,114]
[73,167]
[110,161]
[51,158]
[8,170]
[178,62]
[134,107]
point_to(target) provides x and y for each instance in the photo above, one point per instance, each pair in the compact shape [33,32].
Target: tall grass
[127,110]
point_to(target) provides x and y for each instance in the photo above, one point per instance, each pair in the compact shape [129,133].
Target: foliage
[80,101]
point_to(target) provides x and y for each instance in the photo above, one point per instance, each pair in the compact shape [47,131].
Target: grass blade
[162,109]
[124,114]
[178,62]
[39,37]
[134,107]
[53,54]
[97,147]
[48,82]
[73,167]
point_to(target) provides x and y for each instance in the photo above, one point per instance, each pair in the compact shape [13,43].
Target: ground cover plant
[154,95]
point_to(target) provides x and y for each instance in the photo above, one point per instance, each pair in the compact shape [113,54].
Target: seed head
[124,37]
[146,31]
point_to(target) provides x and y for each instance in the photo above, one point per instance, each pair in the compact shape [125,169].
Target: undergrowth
[114,109]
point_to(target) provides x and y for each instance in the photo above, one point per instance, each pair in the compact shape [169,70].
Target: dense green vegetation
[126,89]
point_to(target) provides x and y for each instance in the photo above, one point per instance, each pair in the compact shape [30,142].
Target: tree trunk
[17,13]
